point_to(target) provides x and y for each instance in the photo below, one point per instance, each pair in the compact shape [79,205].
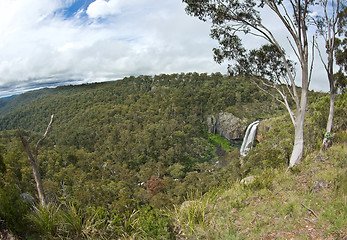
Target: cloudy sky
[45,43]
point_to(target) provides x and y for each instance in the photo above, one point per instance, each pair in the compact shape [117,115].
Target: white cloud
[102,8]
[313,14]
[38,44]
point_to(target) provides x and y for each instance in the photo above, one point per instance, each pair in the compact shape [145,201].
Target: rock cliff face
[227,125]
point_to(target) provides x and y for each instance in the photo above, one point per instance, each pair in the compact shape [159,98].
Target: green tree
[233,17]
[329,25]
[2,164]
[176,171]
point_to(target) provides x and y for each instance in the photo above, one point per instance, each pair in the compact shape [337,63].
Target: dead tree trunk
[33,161]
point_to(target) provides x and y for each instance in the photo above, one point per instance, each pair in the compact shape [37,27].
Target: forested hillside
[121,153]
[138,120]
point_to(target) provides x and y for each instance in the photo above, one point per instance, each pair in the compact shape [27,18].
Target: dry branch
[33,161]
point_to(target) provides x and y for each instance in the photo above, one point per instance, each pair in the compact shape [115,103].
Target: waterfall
[247,143]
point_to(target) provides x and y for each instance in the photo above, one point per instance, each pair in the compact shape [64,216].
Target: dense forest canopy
[90,115]
[140,143]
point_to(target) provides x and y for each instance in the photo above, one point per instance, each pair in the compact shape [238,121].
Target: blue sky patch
[75,7]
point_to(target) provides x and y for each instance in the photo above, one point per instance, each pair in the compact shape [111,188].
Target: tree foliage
[124,145]
[230,18]
[119,153]
[330,26]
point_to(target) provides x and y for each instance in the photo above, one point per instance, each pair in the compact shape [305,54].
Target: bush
[154,224]
[13,210]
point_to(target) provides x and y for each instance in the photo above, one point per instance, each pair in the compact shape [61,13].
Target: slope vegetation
[121,155]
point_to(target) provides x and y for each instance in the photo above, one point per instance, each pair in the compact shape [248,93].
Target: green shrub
[217,140]
[265,180]
[154,224]
[13,210]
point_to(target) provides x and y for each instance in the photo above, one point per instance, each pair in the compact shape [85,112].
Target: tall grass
[46,219]
[77,223]
[69,221]
[196,212]
[65,221]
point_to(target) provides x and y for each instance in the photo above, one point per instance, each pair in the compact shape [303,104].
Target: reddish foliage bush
[154,185]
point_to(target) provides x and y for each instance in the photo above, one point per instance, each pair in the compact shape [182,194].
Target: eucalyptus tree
[331,24]
[230,18]
[341,60]
[265,63]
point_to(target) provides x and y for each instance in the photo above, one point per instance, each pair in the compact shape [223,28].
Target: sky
[46,43]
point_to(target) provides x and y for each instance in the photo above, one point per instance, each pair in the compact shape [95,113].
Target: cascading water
[247,143]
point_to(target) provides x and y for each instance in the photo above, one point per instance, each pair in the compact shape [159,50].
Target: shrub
[154,224]
[13,210]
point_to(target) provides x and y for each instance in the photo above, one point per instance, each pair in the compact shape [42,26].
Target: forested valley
[121,157]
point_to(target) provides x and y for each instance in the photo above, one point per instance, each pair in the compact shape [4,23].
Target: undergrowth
[309,202]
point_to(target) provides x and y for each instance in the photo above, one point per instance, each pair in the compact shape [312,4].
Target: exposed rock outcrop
[227,125]
[248,180]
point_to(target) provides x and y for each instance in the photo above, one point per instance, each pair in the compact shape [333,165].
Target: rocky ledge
[227,125]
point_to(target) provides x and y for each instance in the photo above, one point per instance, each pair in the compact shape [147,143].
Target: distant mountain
[8,97]
[5,100]
[14,102]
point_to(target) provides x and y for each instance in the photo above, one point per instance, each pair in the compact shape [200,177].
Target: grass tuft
[309,202]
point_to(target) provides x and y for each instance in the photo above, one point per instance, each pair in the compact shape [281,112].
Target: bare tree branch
[43,136]
[311,68]
[321,57]
[296,53]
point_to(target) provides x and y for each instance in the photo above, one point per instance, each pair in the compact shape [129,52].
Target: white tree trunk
[326,140]
[331,112]
[298,148]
